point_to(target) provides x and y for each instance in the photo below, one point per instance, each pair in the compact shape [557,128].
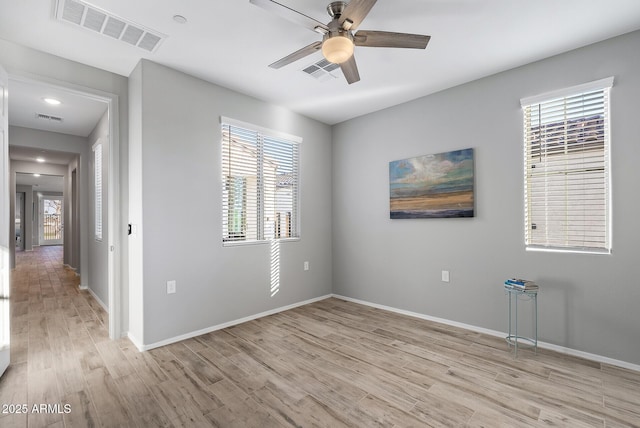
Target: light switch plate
[445,276]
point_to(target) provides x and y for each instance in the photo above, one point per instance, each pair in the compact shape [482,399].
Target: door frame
[20,206]
[114,251]
[5,226]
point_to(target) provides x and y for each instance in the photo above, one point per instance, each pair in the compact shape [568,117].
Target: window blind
[97,170]
[566,176]
[260,175]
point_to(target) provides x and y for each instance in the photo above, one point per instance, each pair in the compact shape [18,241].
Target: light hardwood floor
[331,364]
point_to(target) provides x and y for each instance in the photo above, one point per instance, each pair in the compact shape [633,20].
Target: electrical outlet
[171,287]
[445,276]
[306,265]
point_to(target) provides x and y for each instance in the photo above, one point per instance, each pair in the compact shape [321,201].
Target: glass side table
[513,338]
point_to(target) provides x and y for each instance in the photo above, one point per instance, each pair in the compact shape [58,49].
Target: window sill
[569,250]
[264,242]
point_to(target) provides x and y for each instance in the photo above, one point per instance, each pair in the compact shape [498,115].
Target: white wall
[587,302]
[175,150]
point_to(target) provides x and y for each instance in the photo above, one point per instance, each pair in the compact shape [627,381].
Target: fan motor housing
[336,8]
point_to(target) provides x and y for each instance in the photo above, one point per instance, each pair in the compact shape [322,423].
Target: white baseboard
[560,349]
[545,345]
[142,347]
[95,296]
[136,342]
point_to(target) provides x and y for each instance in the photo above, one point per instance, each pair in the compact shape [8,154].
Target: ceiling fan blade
[355,12]
[291,15]
[350,70]
[385,39]
[301,53]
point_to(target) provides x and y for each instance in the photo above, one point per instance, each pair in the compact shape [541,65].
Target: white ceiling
[231,42]
[45,182]
[29,154]
[79,114]
[42,183]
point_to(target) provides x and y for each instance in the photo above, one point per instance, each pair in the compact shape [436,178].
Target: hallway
[57,335]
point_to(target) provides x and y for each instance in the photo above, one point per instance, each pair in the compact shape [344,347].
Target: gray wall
[28,236]
[134,263]
[587,302]
[72,216]
[98,250]
[175,149]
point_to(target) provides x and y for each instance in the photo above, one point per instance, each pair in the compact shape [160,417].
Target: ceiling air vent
[49,117]
[321,70]
[95,19]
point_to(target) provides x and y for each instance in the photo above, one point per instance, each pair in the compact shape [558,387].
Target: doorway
[19,221]
[51,220]
[67,220]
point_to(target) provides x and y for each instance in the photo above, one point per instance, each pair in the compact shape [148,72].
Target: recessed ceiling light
[36,175]
[52,101]
[180,19]
[40,159]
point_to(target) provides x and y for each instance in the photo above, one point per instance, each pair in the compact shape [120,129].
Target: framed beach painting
[432,186]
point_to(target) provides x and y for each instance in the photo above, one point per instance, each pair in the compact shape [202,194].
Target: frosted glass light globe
[337,49]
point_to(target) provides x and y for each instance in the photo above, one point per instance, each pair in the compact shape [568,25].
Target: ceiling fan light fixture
[337,47]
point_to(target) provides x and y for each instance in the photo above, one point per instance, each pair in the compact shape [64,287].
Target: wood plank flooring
[327,364]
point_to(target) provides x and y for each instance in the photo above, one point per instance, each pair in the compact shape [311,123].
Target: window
[260,176]
[566,177]
[97,182]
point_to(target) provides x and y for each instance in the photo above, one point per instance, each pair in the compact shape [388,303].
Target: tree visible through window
[566,137]
[237,208]
[52,221]
[260,170]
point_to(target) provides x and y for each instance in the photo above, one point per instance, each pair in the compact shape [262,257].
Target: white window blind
[567,171]
[260,176]
[97,169]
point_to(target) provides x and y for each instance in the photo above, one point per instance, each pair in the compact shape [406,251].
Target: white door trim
[5,240]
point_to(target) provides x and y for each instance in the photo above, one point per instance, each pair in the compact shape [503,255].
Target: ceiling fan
[339,37]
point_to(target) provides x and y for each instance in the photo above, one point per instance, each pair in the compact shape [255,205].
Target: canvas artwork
[432,186]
